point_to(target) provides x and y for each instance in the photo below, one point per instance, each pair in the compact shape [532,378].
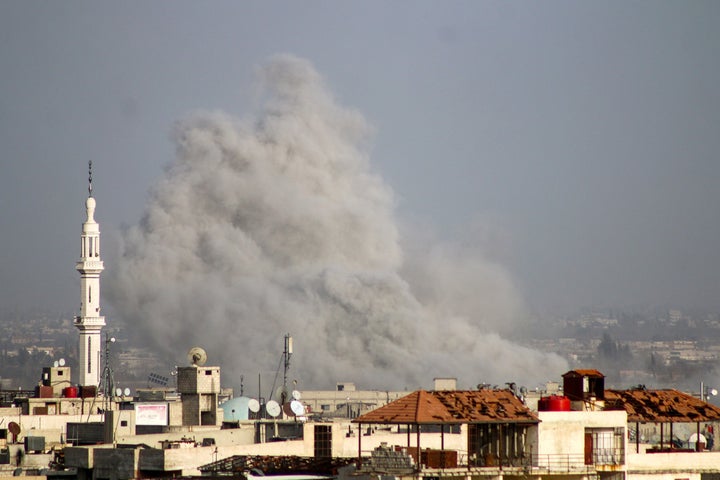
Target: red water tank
[70,392]
[554,403]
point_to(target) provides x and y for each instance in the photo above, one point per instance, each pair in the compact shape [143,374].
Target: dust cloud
[277,224]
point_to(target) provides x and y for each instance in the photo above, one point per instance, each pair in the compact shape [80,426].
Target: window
[89,355]
[323,441]
[604,446]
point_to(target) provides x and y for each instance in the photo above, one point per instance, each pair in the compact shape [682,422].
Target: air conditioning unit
[34,444]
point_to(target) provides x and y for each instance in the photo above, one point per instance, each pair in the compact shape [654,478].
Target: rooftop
[668,406]
[452,407]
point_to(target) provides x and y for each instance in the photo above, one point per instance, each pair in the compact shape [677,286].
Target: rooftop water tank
[554,403]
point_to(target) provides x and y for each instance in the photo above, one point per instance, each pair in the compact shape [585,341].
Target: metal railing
[561,463]
[548,463]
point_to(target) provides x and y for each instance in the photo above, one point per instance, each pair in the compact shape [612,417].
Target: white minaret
[89,322]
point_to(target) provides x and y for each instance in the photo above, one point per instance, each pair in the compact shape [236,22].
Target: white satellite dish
[61,362]
[56,364]
[253,405]
[126,392]
[272,408]
[118,392]
[197,356]
[281,393]
[296,395]
[298,409]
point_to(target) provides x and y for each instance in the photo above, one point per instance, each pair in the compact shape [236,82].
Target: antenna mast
[107,380]
[287,353]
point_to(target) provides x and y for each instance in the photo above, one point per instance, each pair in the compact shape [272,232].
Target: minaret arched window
[89,355]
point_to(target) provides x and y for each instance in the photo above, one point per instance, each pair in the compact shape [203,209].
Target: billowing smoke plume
[278,225]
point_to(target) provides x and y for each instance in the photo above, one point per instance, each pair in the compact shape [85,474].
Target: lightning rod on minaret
[90,178]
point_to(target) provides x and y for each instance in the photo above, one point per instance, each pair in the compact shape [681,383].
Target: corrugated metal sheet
[452,407]
[661,406]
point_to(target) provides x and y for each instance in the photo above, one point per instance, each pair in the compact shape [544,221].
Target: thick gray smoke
[278,225]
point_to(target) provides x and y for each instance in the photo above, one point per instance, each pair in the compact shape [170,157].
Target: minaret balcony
[90,265]
[90,322]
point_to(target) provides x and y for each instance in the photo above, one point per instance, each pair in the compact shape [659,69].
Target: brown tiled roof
[486,406]
[588,372]
[417,407]
[662,406]
[452,406]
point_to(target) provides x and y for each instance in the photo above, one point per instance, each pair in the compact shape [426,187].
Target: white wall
[640,466]
[563,433]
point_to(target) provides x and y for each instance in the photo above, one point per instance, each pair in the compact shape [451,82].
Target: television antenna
[197,356]
[107,381]
[272,408]
[15,430]
[285,364]
[297,408]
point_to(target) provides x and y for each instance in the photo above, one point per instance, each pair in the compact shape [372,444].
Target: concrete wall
[198,380]
[669,466]
[358,400]
[563,433]
[233,436]
[115,463]
[345,439]
[52,427]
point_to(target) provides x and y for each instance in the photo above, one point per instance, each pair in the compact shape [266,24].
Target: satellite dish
[297,408]
[281,393]
[56,363]
[713,392]
[296,395]
[253,405]
[272,408]
[126,392]
[118,392]
[14,428]
[61,362]
[197,356]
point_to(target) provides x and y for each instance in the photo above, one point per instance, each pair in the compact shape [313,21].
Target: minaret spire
[90,178]
[89,322]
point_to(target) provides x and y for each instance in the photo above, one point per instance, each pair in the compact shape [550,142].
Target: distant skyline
[572,144]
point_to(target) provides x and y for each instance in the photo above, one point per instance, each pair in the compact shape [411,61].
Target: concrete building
[346,401]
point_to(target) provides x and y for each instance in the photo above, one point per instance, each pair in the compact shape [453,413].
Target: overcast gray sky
[577,141]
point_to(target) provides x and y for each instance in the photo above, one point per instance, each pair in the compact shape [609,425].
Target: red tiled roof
[588,372]
[417,407]
[662,406]
[486,406]
[452,406]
